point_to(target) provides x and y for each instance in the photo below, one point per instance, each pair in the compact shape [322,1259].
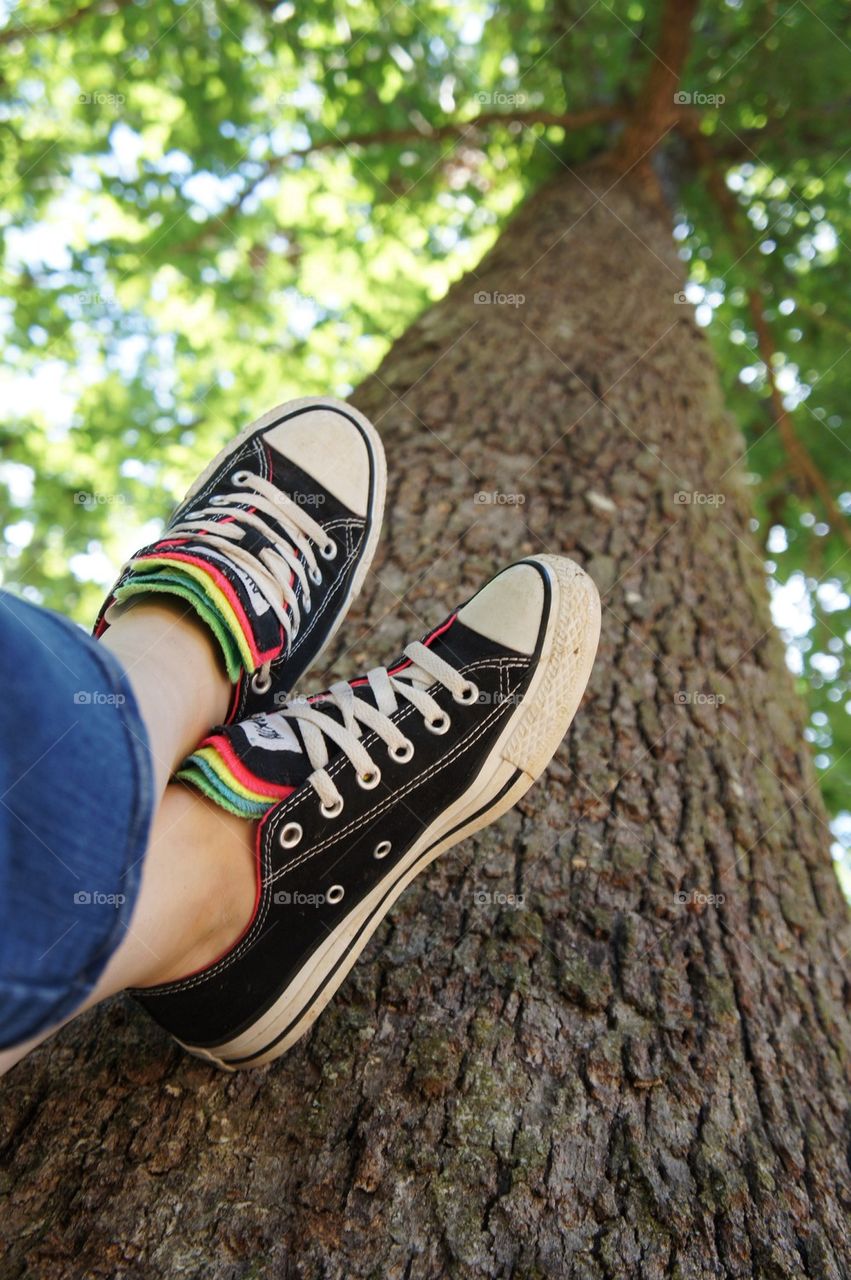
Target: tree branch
[398,137]
[742,144]
[23,32]
[655,109]
[796,451]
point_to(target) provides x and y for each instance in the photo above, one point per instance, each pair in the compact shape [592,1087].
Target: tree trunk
[607,1037]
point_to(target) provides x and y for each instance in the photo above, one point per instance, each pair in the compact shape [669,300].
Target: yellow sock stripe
[194,776]
[215,762]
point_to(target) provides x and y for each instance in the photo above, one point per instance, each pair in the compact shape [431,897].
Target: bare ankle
[201,896]
[176,674]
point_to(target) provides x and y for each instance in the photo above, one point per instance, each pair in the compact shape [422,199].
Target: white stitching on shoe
[314,617]
[280,815]
[339,718]
[343,832]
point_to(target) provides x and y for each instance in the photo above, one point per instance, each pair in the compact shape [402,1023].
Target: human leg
[251,578]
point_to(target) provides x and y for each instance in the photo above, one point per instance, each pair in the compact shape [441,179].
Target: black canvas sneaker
[271,544]
[383,775]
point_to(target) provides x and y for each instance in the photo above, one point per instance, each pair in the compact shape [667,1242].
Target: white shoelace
[271,570]
[318,728]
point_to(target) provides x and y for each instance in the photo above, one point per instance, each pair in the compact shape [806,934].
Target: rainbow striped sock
[199,775]
[207,769]
[201,594]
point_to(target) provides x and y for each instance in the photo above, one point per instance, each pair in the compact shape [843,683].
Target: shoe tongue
[452,641]
[270,745]
[229,586]
[252,598]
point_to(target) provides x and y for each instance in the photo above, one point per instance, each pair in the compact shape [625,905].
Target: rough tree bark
[605,1080]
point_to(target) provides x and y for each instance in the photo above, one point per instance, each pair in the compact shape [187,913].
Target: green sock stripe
[198,774]
[213,763]
[197,780]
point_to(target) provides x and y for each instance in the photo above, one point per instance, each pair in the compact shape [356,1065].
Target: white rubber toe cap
[508,609]
[331,449]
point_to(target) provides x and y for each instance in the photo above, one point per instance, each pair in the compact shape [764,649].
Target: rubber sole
[520,755]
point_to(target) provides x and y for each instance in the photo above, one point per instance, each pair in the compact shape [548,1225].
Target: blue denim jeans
[76,801]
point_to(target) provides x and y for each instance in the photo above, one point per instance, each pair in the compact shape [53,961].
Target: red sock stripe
[223,746]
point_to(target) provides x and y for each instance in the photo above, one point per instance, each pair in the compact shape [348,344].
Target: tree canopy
[209,207]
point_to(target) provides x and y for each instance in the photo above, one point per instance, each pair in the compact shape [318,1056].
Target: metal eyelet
[382,849]
[402,754]
[440,724]
[241,477]
[329,551]
[332,810]
[469,695]
[369,781]
[315,577]
[261,683]
[335,894]
[217,499]
[290,835]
